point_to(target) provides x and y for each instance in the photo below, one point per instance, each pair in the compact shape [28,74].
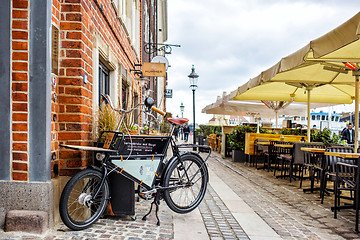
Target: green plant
[198,131]
[209,129]
[343,142]
[134,127]
[105,119]
[287,131]
[263,130]
[236,137]
[325,136]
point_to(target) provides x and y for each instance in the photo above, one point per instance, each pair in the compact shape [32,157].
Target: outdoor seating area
[331,171]
[323,73]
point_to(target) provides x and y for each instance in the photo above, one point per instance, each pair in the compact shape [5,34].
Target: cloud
[231,41]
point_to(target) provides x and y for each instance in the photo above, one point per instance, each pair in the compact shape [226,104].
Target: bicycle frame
[114,150]
[108,162]
[143,159]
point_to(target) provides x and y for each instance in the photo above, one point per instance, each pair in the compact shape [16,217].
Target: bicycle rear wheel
[78,209]
[189,180]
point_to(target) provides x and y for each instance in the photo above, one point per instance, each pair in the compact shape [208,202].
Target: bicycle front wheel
[187,180]
[78,208]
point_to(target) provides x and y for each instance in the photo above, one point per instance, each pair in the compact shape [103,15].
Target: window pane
[124,97]
[104,84]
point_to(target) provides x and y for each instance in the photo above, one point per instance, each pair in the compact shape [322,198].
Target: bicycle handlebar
[158,111]
[107,100]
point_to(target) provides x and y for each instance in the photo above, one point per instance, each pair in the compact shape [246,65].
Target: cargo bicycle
[180,180]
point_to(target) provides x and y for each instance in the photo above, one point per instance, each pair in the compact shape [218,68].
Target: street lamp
[193,77]
[182,109]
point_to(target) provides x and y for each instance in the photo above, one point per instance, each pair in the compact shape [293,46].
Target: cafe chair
[346,182]
[312,163]
[270,156]
[284,160]
[260,152]
[329,168]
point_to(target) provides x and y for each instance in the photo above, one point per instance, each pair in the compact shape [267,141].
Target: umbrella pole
[276,119]
[356,143]
[308,114]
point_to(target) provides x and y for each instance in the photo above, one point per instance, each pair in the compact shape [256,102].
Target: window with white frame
[115,3]
[120,7]
[105,72]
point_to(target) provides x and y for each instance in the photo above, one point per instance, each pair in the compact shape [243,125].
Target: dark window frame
[104,80]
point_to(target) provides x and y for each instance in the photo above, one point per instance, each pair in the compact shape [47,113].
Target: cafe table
[318,165]
[313,150]
[343,154]
[284,145]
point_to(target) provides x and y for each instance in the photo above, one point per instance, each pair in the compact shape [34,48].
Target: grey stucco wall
[5,89]
[40,91]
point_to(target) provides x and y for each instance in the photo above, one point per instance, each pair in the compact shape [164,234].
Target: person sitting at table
[348,134]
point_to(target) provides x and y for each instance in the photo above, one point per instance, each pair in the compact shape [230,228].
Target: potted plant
[237,142]
[105,120]
[134,129]
[145,130]
[325,136]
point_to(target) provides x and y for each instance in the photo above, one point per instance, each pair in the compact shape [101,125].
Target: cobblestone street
[283,205]
[289,213]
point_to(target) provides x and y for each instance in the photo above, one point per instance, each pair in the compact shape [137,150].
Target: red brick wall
[79,19]
[20,93]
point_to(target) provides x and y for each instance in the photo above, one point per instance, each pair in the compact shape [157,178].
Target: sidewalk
[241,203]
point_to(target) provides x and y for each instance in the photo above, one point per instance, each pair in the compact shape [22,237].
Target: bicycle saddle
[178,121]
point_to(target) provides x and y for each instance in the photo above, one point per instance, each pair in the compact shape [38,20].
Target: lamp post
[182,109]
[193,77]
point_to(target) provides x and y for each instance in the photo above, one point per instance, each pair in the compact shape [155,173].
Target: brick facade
[82,24]
[64,89]
[87,31]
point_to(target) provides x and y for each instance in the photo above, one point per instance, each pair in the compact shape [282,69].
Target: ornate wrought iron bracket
[136,71]
[154,47]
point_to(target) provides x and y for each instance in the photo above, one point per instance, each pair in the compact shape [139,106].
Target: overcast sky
[231,41]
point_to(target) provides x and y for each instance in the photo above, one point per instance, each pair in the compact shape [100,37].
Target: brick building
[56,58]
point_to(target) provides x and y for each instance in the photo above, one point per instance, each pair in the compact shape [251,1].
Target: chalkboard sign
[143,145]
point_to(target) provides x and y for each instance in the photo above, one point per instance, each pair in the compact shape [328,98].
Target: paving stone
[26,221]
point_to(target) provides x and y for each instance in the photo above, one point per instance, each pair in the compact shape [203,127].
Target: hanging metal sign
[153,69]
[168,93]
